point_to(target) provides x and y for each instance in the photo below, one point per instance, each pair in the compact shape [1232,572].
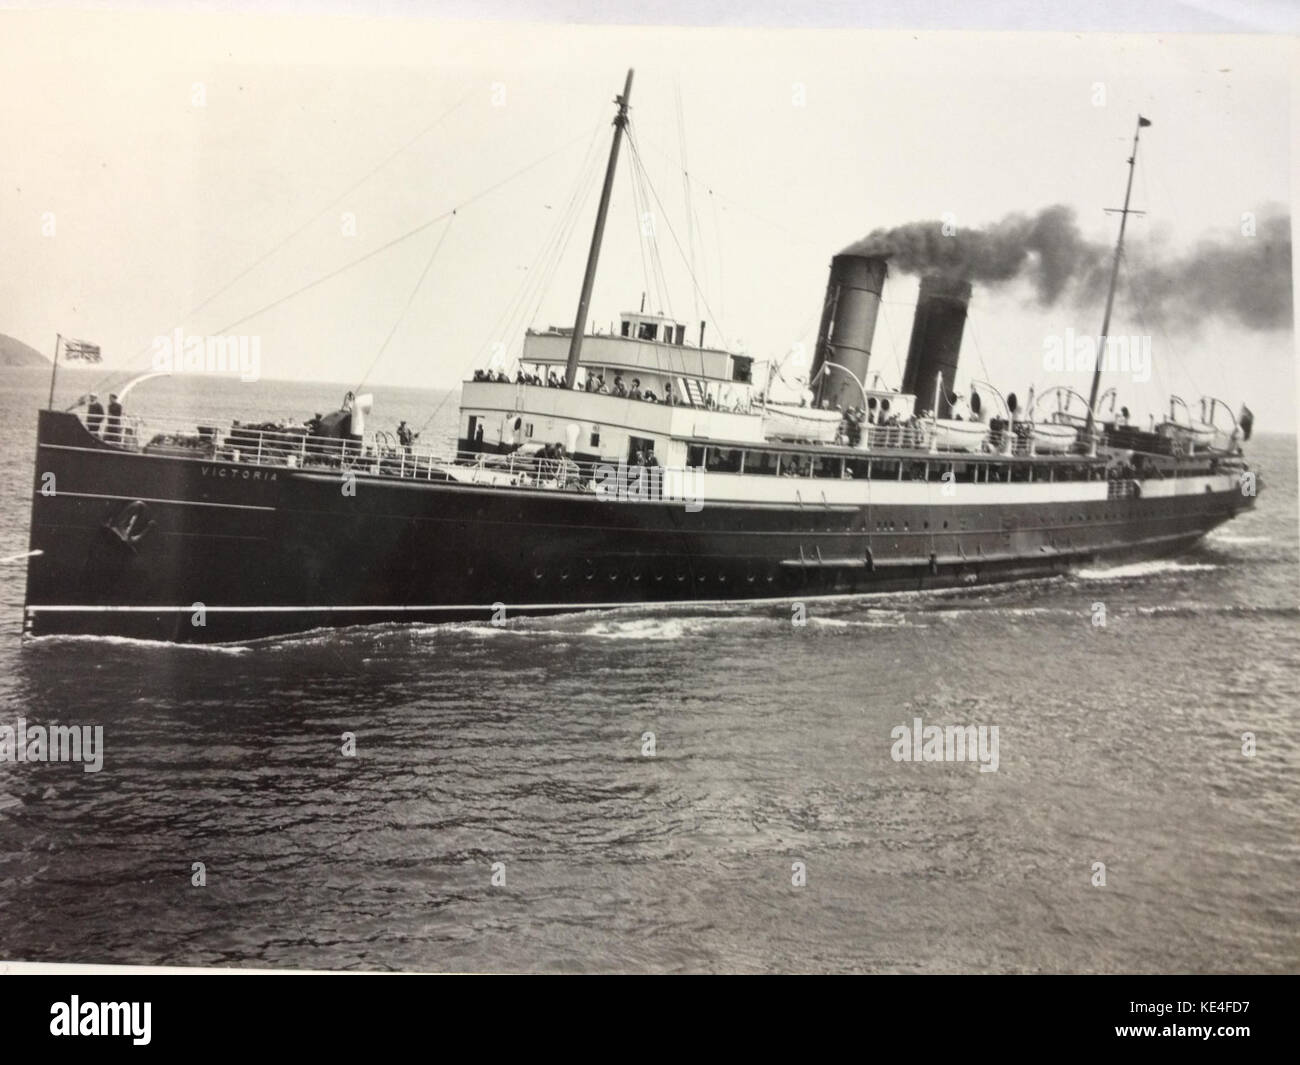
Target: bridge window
[647,331]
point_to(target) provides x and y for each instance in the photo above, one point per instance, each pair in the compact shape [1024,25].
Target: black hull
[146,546]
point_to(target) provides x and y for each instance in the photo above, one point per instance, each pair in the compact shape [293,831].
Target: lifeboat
[783,421]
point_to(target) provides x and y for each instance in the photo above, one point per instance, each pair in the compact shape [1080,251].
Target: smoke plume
[1232,276]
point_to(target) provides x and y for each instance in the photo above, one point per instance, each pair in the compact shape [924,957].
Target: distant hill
[15,353]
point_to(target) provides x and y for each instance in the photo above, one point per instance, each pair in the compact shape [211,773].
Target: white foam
[1152,568]
[153,645]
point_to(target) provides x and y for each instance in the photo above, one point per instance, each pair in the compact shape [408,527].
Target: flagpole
[54,370]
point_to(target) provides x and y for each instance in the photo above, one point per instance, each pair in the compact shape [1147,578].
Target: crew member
[113,428]
[94,414]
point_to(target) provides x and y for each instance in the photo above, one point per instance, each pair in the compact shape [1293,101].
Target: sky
[152,159]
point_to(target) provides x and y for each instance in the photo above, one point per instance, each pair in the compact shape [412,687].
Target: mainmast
[1114,275]
[589,278]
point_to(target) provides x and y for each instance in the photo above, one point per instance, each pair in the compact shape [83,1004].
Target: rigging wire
[513,316]
[893,343]
[641,182]
[637,216]
[285,240]
[409,300]
[558,242]
[632,142]
[686,189]
[404,237]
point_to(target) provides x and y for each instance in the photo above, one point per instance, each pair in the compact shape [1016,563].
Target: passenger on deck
[620,389]
[650,397]
[1121,419]
[670,397]
[405,437]
[601,389]
[551,380]
[590,386]
[94,414]
[635,392]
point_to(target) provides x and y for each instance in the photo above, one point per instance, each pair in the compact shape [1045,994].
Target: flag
[1143,121]
[79,349]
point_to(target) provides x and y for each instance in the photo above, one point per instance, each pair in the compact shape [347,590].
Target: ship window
[723,460]
[627,328]
[595,438]
[473,422]
[695,455]
[762,462]
[647,331]
[528,429]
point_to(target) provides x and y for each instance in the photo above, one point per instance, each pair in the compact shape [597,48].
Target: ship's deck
[895,453]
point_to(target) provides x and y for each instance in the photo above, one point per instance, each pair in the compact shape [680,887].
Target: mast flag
[81,350]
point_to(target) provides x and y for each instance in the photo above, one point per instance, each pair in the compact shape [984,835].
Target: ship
[635,466]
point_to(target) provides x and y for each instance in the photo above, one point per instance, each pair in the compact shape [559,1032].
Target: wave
[132,641]
[1201,610]
[646,628]
[1228,538]
[1151,568]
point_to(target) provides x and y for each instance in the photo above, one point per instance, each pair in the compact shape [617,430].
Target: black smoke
[1230,275]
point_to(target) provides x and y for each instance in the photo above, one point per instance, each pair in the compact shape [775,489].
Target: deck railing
[380,453]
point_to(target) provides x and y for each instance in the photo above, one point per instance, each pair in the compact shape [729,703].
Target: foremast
[593,256]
